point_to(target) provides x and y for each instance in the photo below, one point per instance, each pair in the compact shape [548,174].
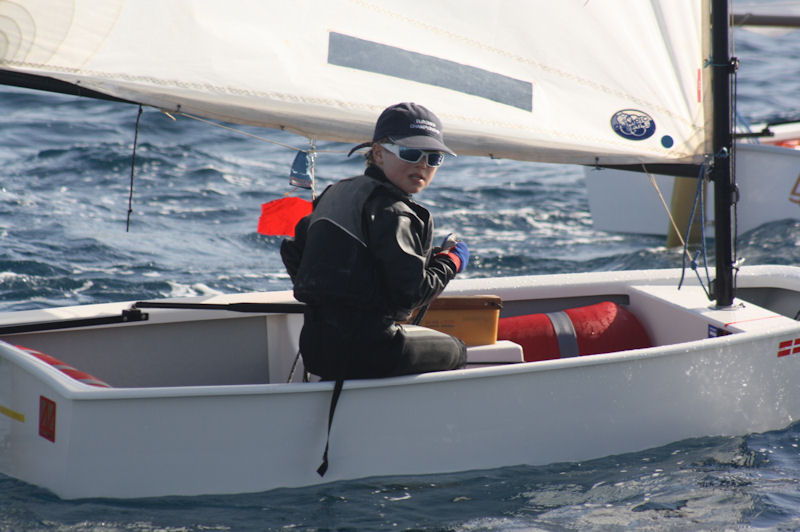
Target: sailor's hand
[458,252]
[449,241]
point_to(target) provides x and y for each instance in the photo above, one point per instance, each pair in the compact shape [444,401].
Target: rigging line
[701,192]
[246,134]
[686,254]
[313,155]
[692,260]
[735,237]
[698,200]
[666,209]
[133,169]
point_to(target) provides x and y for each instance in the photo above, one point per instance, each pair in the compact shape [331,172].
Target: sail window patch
[633,125]
[352,52]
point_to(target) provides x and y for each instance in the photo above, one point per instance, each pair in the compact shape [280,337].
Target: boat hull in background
[768,178]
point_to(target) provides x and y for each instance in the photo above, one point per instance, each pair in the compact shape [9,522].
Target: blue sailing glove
[456,251]
[460,250]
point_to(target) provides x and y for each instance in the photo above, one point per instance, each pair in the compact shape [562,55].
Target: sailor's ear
[377,153]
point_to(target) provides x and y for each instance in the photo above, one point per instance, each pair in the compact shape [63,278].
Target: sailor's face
[408,177]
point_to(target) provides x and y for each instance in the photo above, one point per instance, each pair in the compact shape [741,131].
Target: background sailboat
[767,169]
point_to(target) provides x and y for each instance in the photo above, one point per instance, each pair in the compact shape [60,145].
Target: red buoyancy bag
[65,368]
[601,328]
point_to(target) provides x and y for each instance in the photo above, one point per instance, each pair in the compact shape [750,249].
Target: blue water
[64,189]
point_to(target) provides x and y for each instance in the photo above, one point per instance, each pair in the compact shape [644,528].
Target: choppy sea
[64,198]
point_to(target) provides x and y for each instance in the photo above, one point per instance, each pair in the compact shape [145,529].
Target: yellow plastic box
[472,319]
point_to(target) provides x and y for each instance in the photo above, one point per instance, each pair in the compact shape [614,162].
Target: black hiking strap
[279,308]
[127,316]
[337,390]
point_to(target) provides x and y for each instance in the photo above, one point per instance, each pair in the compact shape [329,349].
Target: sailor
[363,260]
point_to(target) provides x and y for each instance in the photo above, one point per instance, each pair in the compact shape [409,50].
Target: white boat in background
[767,170]
[200,396]
[767,175]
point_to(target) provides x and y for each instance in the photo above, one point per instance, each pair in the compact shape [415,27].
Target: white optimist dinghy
[174,397]
[767,170]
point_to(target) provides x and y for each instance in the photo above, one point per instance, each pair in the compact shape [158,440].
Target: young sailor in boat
[363,260]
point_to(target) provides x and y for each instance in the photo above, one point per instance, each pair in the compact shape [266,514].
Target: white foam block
[501,352]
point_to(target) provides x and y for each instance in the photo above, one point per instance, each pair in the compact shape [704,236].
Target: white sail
[505,80]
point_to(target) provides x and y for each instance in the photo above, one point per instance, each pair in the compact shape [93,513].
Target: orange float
[789,143]
[65,368]
[601,328]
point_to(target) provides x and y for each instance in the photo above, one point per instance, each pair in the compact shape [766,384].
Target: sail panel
[603,81]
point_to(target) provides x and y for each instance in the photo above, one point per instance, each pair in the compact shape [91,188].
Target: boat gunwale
[75,390]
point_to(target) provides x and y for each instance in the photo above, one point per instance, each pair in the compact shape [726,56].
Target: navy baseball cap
[409,125]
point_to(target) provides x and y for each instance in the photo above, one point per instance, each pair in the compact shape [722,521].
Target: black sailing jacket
[366,246]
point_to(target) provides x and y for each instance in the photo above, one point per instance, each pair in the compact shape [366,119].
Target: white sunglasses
[413,155]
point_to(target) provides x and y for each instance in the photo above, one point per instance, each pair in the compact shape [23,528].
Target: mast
[723,287]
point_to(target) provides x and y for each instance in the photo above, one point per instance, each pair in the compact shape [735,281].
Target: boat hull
[188,440]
